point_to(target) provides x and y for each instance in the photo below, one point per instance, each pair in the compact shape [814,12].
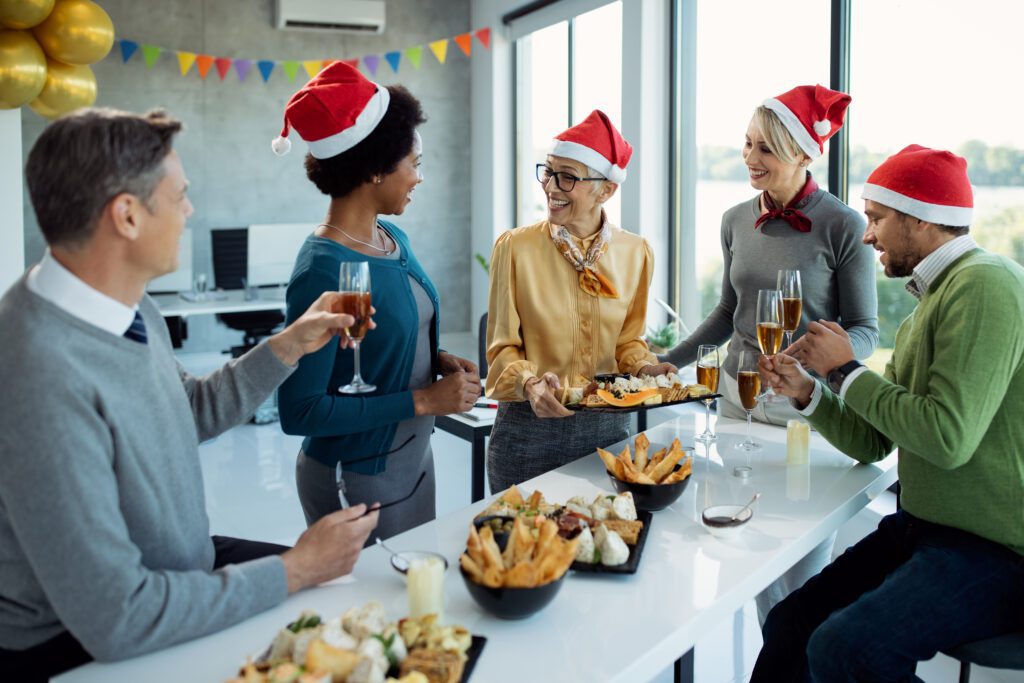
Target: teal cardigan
[340,427]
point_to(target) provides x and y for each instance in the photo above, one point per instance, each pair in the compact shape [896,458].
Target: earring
[378,180]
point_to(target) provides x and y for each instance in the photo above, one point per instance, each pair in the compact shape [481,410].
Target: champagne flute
[708,369]
[748,380]
[354,286]
[769,326]
[792,302]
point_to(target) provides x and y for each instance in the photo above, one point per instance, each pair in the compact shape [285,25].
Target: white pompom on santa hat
[334,112]
[812,114]
[596,143]
[929,184]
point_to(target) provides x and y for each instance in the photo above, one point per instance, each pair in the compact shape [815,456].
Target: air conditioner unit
[350,16]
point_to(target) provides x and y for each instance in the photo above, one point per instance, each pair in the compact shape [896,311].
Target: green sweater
[952,399]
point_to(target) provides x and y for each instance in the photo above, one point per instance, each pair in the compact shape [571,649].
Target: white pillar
[12,218]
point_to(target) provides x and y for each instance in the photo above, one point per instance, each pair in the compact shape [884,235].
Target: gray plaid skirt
[523,446]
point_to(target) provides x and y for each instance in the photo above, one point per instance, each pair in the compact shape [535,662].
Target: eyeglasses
[564,181]
[339,478]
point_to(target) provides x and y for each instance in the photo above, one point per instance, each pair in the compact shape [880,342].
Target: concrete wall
[12,235]
[236,179]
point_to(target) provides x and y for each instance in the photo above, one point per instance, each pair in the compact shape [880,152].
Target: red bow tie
[796,219]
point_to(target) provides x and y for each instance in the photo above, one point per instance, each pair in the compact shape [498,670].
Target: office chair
[1001,652]
[230,252]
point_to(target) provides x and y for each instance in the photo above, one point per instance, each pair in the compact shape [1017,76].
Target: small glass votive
[425,586]
[798,442]
[199,286]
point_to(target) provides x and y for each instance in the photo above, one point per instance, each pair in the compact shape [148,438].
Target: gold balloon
[76,32]
[67,88]
[22,69]
[24,13]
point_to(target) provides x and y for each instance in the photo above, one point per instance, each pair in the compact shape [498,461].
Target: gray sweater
[103,527]
[837,274]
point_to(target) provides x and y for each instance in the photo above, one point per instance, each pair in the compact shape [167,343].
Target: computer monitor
[181,279]
[272,250]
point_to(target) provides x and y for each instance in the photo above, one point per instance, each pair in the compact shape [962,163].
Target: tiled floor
[250,492]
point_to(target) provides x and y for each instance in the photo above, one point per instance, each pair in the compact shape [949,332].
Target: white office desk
[233,302]
[599,628]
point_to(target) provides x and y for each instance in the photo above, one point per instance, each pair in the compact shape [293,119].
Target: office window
[563,72]
[935,73]
[746,52]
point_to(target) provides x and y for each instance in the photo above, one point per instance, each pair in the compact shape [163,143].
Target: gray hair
[83,160]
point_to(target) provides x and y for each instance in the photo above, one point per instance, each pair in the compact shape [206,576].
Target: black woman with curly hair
[364,153]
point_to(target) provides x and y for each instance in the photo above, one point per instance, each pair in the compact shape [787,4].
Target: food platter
[635,551]
[579,407]
[472,655]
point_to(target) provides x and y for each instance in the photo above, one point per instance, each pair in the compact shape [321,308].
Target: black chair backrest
[482,346]
[230,247]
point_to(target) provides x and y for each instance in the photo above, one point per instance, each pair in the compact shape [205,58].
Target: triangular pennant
[354,63]
[266,68]
[185,61]
[326,63]
[393,58]
[312,67]
[203,64]
[242,67]
[223,66]
[372,62]
[414,55]
[484,36]
[440,49]
[151,52]
[128,48]
[464,41]
[291,69]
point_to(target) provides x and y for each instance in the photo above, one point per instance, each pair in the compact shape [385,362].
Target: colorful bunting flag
[464,41]
[185,61]
[203,63]
[150,53]
[223,66]
[371,62]
[393,59]
[128,48]
[242,67]
[266,68]
[312,67]
[354,63]
[440,49]
[291,69]
[484,36]
[414,55]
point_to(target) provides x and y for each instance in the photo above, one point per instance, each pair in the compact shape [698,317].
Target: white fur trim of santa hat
[590,157]
[939,214]
[809,145]
[367,120]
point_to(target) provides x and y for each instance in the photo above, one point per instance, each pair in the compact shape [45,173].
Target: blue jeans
[906,591]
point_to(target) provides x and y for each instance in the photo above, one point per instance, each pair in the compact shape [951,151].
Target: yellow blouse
[539,320]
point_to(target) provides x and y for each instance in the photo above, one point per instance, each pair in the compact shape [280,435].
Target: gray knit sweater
[103,527]
[837,273]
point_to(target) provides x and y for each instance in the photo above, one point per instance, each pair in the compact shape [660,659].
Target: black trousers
[63,652]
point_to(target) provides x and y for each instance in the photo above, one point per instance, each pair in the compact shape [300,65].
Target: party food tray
[632,409]
[635,552]
[472,655]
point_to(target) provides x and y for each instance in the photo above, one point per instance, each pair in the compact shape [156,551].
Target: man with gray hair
[105,550]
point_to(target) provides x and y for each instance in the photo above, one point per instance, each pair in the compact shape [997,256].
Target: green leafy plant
[483,262]
[664,337]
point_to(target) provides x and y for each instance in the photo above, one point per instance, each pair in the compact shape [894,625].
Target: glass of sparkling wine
[354,286]
[707,374]
[792,302]
[748,380]
[769,326]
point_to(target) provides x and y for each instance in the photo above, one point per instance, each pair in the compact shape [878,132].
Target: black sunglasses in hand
[340,481]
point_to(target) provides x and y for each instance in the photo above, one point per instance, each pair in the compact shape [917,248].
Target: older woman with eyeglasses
[568,297]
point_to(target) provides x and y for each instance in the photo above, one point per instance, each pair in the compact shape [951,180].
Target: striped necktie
[137,330]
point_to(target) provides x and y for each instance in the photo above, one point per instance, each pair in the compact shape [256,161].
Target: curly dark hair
[378,154]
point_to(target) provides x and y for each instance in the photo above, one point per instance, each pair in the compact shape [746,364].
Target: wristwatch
[837,376]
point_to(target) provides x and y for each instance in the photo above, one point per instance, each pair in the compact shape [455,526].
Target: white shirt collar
[55,283]
[933,265]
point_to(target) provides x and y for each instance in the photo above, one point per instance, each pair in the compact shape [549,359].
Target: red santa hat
[929,184]
[596,143]
[334,112]
[812,114]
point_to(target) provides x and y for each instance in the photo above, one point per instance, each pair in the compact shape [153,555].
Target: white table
[599,628]
[224,301]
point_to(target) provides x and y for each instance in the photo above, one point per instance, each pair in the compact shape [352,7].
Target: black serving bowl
[500,537]
[512,603]
[652,497]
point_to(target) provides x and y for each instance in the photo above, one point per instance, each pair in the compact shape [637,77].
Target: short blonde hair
[777,138]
